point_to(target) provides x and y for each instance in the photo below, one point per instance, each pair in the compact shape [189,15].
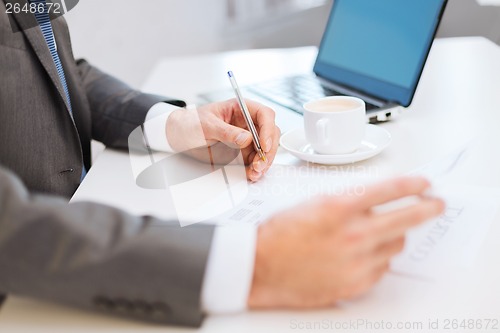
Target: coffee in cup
[335,125]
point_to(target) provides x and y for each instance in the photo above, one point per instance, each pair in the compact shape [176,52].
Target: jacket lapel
[33,33]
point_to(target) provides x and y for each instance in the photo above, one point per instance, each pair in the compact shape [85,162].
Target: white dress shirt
[229,270]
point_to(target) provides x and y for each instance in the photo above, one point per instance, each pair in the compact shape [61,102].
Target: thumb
[228,133]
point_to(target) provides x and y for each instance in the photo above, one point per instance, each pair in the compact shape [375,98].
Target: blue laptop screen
[379,46]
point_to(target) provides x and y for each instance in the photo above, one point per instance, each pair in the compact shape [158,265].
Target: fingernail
[257,175]
[259,166]
[441,204]
[242,138]
[269,144]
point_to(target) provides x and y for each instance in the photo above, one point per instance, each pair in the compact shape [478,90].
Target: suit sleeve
[99,258]
[116,108]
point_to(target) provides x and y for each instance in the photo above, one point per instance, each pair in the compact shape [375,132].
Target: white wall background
[127,37]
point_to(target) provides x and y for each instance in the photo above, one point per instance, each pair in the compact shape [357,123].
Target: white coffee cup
[335,125]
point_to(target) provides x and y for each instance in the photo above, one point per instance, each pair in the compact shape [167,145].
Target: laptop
[372,49]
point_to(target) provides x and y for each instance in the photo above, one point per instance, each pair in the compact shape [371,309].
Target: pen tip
[230,73]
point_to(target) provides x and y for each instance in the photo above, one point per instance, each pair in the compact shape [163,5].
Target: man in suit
[99,258]
[51,106]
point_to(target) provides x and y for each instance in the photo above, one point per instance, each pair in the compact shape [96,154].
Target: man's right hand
[334,248]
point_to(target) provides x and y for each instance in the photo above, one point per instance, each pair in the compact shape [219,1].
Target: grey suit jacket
[100,258]
[39,139]
[86,255]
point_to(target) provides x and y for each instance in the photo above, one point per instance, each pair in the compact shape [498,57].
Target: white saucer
[376,140]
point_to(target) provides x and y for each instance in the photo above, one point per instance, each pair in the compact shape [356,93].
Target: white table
[458,99]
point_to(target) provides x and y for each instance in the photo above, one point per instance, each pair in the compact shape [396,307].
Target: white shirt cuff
[155,125]
[229,271]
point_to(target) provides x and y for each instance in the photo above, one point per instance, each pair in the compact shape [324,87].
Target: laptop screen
[379,47]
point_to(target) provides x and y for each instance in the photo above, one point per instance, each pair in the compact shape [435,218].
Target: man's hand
[334,248]
[193,130]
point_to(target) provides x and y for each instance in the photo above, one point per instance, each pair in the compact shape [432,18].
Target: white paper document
[453,240]
[287,186]
[449,242]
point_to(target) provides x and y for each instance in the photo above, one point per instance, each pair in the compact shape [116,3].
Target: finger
[256,171]
[253,174]
[364,284]
[260,166]
[392,190]
[390,249]
[264,119]
[384,253]
[221,153]
[390,226]
[271,155]
[379,256]
[227,133]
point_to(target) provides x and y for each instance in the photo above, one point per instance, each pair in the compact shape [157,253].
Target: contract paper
[286,186]
[451,241]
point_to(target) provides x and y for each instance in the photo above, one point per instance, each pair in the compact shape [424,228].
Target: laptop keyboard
[293,92]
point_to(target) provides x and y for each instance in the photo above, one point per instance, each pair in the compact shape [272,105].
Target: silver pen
[247,116]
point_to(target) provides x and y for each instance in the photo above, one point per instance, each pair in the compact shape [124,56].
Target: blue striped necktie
[43,20]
